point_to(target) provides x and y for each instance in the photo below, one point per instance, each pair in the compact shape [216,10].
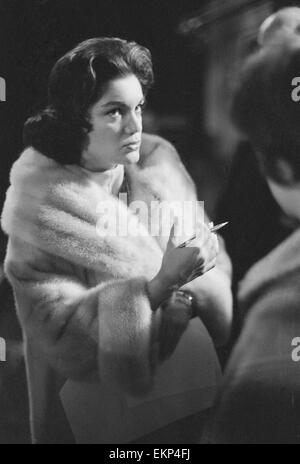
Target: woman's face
[116,120]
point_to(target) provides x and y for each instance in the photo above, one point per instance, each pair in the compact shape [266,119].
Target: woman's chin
[132,157]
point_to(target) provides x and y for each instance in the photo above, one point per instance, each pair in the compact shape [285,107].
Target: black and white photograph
[149,224]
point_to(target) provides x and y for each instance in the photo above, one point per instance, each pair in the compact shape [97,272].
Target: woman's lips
[131,146]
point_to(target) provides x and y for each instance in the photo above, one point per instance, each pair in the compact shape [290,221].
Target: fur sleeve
[108,328]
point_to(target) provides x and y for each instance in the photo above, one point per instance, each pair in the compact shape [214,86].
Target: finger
[193,276]
[170,243]
[200,270]
[211,249]
[200,264]
[200,241]
[210,265]
[206,252]
[215,241]
[204,232]
[196,273]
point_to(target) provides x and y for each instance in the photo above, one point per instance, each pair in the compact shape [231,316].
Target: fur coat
[81,297]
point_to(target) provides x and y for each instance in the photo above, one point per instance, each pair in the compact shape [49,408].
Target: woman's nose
[133,124]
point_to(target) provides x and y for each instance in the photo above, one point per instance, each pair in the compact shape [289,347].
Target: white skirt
[185,384]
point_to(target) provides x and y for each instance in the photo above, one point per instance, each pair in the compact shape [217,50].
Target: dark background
[34,34]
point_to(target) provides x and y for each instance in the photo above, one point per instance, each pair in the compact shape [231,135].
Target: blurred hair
[76,82]
[284,21]
[263,108]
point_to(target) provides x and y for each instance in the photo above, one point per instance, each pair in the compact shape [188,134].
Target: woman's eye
[139,108]
[115,112]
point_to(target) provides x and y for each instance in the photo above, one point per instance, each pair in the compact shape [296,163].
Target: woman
[259,401]
[100,309]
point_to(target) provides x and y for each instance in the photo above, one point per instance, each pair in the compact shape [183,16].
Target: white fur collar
[56,208]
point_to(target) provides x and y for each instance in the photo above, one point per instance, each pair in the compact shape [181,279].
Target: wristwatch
[187,299]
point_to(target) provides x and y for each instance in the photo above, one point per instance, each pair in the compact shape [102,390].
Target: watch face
[183,297]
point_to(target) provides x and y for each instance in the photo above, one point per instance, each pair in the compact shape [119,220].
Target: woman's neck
[99,169]
[110,179]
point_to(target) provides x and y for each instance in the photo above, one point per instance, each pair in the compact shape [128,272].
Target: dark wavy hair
[76,82]
[264,110]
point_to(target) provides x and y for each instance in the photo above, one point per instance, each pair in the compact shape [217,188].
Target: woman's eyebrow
[119,103]
[113,102]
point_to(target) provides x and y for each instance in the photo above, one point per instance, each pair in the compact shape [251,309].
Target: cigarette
[218,226]
[212,228]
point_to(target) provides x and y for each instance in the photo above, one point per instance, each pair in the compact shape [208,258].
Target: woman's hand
[183,264]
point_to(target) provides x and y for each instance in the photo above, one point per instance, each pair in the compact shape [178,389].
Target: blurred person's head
[284,22]
[264,110]
[95,98]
